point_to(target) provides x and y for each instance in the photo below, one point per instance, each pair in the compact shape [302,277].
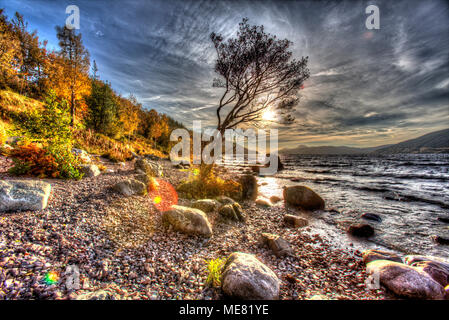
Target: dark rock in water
[249,186]
[372,217]
[303,197]
[280,164]
[361,230]
[444,219]
[372,255]
[441,240]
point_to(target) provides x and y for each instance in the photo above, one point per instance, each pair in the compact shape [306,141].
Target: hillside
[334,150]
[434,142]
[14,106]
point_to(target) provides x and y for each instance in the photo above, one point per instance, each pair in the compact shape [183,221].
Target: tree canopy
[257,73]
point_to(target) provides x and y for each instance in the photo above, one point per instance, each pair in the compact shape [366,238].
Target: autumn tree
[129,111]
[10,53]
[77,63]
[32,51]
[257,73]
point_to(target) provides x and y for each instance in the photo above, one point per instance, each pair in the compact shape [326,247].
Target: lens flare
[163,195]
[51,277]
[157,200]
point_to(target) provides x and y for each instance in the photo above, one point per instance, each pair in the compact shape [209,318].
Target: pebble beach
[123,251]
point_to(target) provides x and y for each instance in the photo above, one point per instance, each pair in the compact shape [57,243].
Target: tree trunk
[72,108]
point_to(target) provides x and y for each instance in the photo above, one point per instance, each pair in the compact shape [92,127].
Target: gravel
[121,247]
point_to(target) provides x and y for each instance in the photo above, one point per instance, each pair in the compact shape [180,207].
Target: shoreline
[122,249]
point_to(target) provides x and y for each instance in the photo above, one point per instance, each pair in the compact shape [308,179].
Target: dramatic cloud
[367,87]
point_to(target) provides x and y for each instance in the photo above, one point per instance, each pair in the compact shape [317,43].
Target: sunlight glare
[269,115]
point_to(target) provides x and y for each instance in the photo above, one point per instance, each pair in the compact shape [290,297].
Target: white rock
[22,195]
[90,170]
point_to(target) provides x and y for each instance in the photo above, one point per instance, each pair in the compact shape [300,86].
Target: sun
[269,115]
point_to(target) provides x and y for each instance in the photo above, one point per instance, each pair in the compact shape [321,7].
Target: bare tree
[257,73]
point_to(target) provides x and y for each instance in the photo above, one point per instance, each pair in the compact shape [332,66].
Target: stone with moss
[188,220]
[206,205]
[131,187]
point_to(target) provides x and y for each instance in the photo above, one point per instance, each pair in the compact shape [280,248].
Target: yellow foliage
[215,268]
[97,143]
[204,184]
[14,103]
[3,135]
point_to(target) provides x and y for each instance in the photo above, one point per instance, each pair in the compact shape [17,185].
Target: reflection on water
[409,193]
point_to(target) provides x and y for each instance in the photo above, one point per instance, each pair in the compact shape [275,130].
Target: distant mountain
[434,142]
[329,150]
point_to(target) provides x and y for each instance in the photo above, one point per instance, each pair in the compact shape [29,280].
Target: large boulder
[437,268]
[249,186]
[372,255]
[245,277]
[406,281]
[188,220]
[89,170]
[23,195]
[278,245]
[131,187]
[303,197]
[148,167]
[206,205]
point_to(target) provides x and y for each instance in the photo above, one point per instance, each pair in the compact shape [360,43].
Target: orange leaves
[32,159]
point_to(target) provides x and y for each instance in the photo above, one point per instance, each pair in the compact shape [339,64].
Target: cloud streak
[367,87]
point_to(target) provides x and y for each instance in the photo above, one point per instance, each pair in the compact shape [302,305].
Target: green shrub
[215,269]
[52,157]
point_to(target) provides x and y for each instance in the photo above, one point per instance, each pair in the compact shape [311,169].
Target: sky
[367,87]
